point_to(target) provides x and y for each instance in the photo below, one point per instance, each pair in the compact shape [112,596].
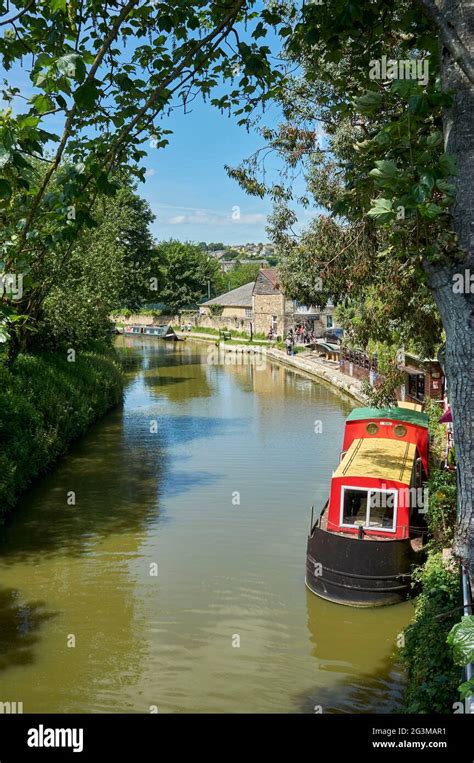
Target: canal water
[160,566]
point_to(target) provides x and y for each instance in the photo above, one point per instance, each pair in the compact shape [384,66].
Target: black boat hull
[359,573]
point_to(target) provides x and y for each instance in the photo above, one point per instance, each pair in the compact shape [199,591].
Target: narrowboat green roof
[399,414]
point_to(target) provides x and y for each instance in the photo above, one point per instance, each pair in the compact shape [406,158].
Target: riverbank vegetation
[46,402]
[432,674]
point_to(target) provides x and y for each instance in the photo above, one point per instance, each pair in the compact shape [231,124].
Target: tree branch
[450,38]
[18,15]
[71,114]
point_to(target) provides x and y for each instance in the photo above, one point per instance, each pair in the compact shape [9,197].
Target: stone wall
[265,306]
[222,322]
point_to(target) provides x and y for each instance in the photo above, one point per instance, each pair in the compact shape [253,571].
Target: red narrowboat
[370,535]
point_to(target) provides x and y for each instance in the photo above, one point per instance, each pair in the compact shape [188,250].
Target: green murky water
[205,476]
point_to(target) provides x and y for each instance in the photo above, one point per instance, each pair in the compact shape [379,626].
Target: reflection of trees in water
[346,641]
[19,626]
[172,370]
[115,476]
[278,381]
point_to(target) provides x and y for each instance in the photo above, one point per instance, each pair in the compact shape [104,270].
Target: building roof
[399,414]
[241,297]
[379,458]
[267,282]
[272,275]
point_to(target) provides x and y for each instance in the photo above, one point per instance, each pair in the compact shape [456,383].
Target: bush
[437,431]
[47,402]
[442,493]
[433,678]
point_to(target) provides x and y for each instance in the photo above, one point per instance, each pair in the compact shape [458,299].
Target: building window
[416,386]
[274,322]
[248,312]
[329,323]
[371,509]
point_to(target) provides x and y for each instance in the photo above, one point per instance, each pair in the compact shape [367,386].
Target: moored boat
[165,332]
[364,545]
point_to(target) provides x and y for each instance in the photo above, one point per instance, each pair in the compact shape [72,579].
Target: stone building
[272,309]
[264,304]
[232,310]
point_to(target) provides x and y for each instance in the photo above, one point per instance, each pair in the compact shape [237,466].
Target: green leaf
[435,139]
[382,210]
[58,5]
[86,96]
[368,102]
[447,164]
[29,120]
[446,186]
[5,156]
[384,170]
[72,66]
[466,689]
[461,639]
[42,103]
[5,189]
[430,211]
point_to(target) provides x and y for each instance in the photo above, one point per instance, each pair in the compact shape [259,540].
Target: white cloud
[196,216]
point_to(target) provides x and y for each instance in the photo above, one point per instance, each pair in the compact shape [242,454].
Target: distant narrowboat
[370,535]
[160,332]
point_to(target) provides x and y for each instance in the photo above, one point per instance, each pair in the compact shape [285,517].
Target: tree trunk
[456,315]
[457,309]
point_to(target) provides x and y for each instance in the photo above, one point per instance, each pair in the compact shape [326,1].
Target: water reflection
[357,646]
[206,475]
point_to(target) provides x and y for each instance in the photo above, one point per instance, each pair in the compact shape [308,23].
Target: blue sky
[188,188]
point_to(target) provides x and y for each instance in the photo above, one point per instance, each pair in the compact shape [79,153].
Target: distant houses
[243,254]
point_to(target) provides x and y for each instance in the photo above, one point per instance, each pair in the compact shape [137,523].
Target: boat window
[354,507]
[400,430]
[381,514]
[372,428]
[372,509]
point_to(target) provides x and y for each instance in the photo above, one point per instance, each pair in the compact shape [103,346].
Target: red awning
[447,417]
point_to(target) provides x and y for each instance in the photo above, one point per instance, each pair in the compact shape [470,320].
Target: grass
[47,402]
[258,339]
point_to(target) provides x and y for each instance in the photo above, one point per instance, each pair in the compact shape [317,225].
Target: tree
[109,268]
[189,272]
[107,72]
[241,274]
[396,176]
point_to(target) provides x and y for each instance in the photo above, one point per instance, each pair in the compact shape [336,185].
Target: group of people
[301,334]
[188,327]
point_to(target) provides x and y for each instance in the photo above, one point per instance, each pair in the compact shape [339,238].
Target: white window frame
[369,490]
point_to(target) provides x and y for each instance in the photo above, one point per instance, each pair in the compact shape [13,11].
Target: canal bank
[47,402]
[176,581]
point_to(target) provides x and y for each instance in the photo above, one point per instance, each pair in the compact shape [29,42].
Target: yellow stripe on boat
[379,458]
[410,406]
